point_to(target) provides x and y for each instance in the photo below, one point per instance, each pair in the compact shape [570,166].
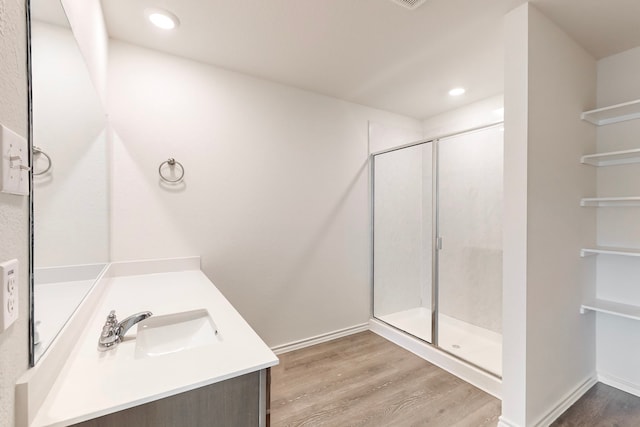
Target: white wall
[383,137]
[618,339]
[275,196]
[560,341]
[14,217]
[514,255]
[70,201]
[548,346]
[482,113]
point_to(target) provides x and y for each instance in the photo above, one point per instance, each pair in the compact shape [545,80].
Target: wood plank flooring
[602,406]
[365,380]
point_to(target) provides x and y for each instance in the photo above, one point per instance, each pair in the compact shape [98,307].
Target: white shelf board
[609,251]
[612,158]
[613,308]
[610,201]
[613,114]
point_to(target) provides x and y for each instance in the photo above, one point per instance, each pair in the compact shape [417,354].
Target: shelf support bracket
[585,254]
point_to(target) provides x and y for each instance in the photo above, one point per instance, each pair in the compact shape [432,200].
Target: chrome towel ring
[171,162]
[37,151]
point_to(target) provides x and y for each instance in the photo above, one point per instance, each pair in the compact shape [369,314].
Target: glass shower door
[403,239]
[470,259]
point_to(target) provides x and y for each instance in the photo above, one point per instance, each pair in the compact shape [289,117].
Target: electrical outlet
[14,164]
[9,300]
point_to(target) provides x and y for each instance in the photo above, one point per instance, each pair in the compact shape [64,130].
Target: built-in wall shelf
[610,201]
[612,158]
[613,308]
[609,251]
[613,114]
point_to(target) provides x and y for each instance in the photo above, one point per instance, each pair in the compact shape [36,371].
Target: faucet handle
[109,336]
[111,318]
[109,325]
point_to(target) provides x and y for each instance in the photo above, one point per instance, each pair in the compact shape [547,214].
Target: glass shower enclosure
[437,243]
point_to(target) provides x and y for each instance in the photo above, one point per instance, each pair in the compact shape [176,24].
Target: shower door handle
[439,243]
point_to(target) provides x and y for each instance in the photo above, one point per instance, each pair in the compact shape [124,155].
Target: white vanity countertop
[94,383]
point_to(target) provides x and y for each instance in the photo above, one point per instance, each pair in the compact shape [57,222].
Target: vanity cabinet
[194,382]
[238,402]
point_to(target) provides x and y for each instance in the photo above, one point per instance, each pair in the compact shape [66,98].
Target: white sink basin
[161,335]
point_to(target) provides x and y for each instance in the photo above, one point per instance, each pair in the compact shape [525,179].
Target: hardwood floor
[365,380]
[602,406]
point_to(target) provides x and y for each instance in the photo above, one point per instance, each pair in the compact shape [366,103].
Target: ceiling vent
[410,4]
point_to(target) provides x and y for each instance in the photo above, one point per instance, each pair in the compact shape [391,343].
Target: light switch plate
[9,300]
[14,165]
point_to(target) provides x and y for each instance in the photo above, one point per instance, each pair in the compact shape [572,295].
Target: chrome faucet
[113,331]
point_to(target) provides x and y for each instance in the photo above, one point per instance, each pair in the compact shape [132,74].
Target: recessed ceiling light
[457,91]
[162,18]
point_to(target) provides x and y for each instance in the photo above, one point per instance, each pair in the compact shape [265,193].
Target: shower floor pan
[474,344]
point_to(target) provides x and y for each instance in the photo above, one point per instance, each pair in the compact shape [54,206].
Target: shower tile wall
[470,221]
[399,221]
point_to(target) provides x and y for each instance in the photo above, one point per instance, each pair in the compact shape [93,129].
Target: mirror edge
[31,322]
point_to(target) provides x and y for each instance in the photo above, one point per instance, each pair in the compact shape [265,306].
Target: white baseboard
[318,339]
[564,404]
[619,383]
[503,422]
[464,371]
[567,401]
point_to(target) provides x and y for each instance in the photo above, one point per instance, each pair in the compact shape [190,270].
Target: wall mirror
[70,222]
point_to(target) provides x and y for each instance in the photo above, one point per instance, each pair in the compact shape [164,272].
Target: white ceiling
[372,52]
[602,27]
